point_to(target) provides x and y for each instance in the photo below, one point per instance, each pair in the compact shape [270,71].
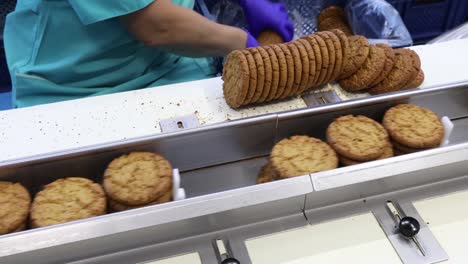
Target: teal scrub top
[66,49]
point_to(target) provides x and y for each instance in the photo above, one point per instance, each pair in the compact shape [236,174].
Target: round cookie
[331,11]
[339,23]
[22,227]
[369,71]
[265,175]
[389,62]
[268,74]
[357,137]
[14,206]
[269,37]
[283,71]
[345,49]
[318,59]
[387,153]
[260,73]
[406,150]
[115,206]
[67,200]
[137,178]
[325,59]
[413,126]
[416,63]
[252,76]
[331,55]
[275,67]
[305,66]
[416,82]
[358,53]
[338,55]
[312,62]
[399,75]
[297,67]
[236,79]
[301,155]
[290,73]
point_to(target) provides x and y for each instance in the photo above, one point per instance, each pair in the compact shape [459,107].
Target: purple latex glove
[251,41]
[262,15]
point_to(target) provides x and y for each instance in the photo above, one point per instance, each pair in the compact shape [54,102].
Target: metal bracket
[179,123]
[406,249]
[321,98]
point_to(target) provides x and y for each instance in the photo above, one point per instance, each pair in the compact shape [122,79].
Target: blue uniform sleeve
[92,11]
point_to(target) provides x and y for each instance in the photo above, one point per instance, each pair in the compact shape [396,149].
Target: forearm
[183,31]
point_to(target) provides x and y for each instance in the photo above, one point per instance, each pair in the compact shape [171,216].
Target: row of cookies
[278,71]
[131,181]
[382,69]
[355,139]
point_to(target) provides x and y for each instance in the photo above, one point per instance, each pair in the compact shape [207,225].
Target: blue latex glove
[251,41]
[262,15]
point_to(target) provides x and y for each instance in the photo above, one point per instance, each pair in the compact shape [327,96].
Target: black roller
[230,261]
[409,226]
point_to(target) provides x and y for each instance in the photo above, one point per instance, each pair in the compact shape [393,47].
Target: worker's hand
[262,15]
[251,41]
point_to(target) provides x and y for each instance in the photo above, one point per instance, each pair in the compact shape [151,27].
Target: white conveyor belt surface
[96,120]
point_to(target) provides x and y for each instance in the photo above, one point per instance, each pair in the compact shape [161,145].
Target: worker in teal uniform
[66,49]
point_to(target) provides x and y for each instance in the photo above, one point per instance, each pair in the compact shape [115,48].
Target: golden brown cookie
[305,66]
[236,78]
[389,62]
[252,76]
[357,137]
[14,206]
[338,55]
[312,62]
[413,126]
[269,37]
[22,227]
[283,71]
[331,11]
[399,75]
[370,70]
[66,200]
[318,59]
[290,65]
[405,149]
[416,63]
[387,153]
[260,73]
[325,59]
[137,178]
[265,174]
[359,51]
[416,82]
[345,49]
[297,67]
[268,74]
[331,55]
[339,23]
[275,67]
[301,155]
[115,206]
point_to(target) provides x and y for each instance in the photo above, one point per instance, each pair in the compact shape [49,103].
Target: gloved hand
[251,41]
[263,14]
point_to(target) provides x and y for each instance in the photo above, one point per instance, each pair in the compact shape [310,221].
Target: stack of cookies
[413,128]
[15,202]
[269,37]
[67,200]
[297,156]
[263,74]
[136,180]
[358,139]
[333,17]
